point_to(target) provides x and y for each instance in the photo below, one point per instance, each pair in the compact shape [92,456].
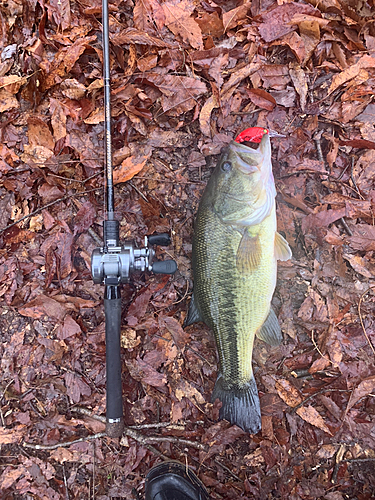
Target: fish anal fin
[249,253]
[282,248]
[193,315]
[270,331]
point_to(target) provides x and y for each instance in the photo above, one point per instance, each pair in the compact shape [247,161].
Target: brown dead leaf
[43,306]
[277,21]
[205,115]
[327,451]
[134,36]
[179,92]
[310,34]
[179,335]
[130,167]
[62,455]
[147,12]
[73,89]
[230,86]
[360,264]
[13,435]
[233,17]
[85,218]
[64,61]
[321,219]
[299,80]
[7,101]
[210,24]
[12,83]
[10,476]
[351,72]
[178,20]
[363,238]
[319,364]
[58,119]
[39,133]
[364,388]
[68,329]
[261,98]
[310,415]
[145,373]
[76,387]
[59,10]
[288,393]
[186,390]
[254,459]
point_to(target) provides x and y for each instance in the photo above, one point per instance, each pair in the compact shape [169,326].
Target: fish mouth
[248,160]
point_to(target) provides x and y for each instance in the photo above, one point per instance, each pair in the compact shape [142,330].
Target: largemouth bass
[235,251]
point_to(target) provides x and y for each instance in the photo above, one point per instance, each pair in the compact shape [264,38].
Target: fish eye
[226,166]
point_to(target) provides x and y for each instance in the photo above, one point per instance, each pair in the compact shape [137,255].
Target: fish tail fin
[240,405]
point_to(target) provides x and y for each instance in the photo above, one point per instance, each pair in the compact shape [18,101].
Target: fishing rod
[113,263]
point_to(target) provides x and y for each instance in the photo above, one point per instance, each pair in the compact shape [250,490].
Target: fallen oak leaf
[145,373]
[179,92]
[11,436]
[288,393]
[132,35]
[351,72]
[179,21]
[12,83]
[311,416]
[205,115]
[186,390]
[261,98]
[130,167]
[363,389]
[233,17]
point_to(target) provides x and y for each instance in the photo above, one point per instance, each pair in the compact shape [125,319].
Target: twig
[65,483]
[317,348]
[131,432]
[64,444]
[31,214]
[157,425]
[317,394]
[161,439]
[93,471]
[227,469]
[361,320]
[1,399]
[339,457]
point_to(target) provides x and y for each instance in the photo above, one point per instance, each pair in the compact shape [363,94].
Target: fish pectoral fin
[270,331]
[249,253]
[193,315]
[282,248]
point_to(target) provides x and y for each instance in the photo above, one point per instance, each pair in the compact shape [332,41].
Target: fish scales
[234,266]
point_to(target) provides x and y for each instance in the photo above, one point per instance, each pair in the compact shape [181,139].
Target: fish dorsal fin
[193,315]
[270,331]
[249,253]
[282,248]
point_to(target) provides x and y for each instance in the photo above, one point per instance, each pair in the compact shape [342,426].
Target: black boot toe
[173,481]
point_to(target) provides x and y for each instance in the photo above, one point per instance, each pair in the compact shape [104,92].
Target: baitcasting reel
[114,265]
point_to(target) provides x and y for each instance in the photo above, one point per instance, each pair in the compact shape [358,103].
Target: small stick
[361,320]
[64,444]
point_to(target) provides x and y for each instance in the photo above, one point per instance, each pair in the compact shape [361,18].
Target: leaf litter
[187,77]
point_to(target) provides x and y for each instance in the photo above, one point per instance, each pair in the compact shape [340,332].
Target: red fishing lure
[253,134]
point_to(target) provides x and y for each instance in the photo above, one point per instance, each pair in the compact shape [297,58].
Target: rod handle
[114,415]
